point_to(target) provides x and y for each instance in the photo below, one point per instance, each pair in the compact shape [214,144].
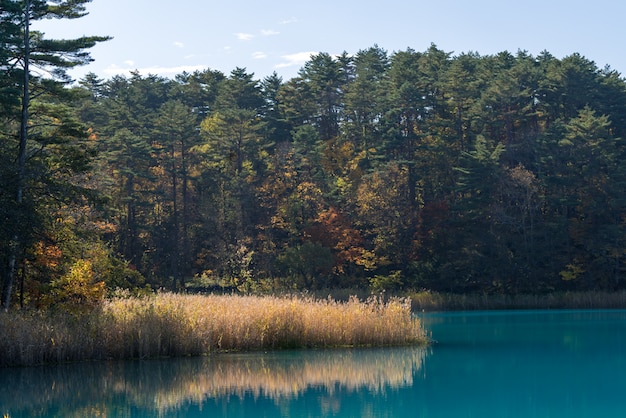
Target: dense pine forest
[374,170]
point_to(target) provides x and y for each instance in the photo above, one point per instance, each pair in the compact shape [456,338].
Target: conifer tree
[20,53]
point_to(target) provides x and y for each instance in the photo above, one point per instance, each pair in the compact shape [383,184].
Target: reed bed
[181,325]
[434,301]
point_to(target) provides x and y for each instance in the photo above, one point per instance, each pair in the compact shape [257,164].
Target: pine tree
[54,57]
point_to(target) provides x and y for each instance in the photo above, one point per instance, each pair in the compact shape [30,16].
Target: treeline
[409,170]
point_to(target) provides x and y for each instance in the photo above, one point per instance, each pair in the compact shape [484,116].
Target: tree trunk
[176,253]
[21,163]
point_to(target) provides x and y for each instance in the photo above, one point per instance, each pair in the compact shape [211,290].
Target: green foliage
[572,272]
[117,274]
[391,282]
[466,173]
[308,263]
[47,153]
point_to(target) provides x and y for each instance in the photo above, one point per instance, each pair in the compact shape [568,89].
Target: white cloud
[179,44]
[129,63]
[288,21]
[163,71]
[116,70]
[172,70]
[294,59]
[269,32]
[244,36]
[259,55]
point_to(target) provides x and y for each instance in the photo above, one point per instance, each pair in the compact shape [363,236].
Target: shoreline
[427,301]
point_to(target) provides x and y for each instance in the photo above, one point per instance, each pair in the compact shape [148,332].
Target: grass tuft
[168,324]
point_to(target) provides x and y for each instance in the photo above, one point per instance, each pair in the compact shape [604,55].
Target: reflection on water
[485,364]
[164,388]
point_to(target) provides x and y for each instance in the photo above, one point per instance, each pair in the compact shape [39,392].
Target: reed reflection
[162,387]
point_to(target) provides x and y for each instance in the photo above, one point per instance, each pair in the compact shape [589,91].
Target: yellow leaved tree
[77,291]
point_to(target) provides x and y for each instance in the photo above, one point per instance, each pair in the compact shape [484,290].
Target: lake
[483,364]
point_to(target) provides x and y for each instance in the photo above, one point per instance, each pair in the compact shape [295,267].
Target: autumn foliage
[377,172]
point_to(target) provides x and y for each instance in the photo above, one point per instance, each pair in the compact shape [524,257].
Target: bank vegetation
[427,301]
[166,324]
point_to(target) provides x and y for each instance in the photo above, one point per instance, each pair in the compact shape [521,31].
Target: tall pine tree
[19,55]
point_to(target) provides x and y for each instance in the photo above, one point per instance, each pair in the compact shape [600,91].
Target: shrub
[77,291]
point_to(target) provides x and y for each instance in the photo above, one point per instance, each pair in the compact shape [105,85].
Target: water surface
[526,364]
[497,364]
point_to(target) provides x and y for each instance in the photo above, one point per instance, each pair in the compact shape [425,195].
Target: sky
[168,37]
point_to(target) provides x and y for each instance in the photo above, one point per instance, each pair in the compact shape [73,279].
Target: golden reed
[168,324]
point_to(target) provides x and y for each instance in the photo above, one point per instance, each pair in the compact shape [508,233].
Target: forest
[386,171]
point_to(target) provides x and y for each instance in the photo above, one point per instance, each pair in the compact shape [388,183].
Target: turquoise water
[497,364]
[527,364]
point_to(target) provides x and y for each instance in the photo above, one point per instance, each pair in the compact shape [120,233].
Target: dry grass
[180,325]
[433,301]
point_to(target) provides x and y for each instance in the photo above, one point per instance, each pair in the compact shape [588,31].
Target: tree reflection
[165,386]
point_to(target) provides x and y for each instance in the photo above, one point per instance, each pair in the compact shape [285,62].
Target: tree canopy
[389,171]
[41,134]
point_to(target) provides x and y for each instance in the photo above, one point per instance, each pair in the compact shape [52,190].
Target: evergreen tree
[20,55]
[420,169]
[323,74]
[176,134]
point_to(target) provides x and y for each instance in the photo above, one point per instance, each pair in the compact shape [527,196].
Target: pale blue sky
[166,38]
